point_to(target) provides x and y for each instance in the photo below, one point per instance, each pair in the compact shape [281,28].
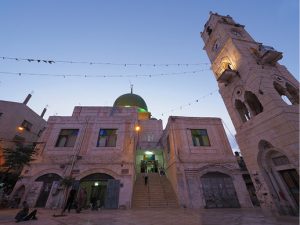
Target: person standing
[81,199]
[70,201]
[146,178]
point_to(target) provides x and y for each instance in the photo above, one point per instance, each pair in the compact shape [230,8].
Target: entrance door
[97,196]
[291,179]
[219,191]
[149,166]
[47,180]
[112,194]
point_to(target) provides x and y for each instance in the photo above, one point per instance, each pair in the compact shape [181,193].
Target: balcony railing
[227,75]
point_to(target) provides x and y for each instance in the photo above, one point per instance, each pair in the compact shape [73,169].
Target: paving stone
[157,216]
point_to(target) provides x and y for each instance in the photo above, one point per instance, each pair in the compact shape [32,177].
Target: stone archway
[102,190]
[46,181]
[219,191]
[18,195]
[281,177]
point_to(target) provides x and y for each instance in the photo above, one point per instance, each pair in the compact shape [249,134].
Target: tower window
[107,138]
[236,33]
[242,110]
[293,93]
[208,30]
[253,103]
[67,138]
[200,137]
[289,94]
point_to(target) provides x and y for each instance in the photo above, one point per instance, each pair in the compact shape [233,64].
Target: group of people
[74,198]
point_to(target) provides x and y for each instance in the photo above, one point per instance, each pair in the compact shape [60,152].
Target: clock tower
[262,99]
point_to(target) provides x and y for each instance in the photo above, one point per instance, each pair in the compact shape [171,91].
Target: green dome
[130,99]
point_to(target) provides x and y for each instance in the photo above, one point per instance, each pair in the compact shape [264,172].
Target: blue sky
[142,32]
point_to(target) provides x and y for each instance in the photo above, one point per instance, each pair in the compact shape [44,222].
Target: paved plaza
[153,217]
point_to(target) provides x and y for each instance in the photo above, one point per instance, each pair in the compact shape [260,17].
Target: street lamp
[137,128]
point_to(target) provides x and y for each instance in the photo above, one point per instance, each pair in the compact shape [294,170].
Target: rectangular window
[168,145]
[107,138]
[41,131]
[26,125]
[200,137]
[67,138]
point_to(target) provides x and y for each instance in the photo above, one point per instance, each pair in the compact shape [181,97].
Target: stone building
[20,125]
[262,99]
[108,151]
[201,166]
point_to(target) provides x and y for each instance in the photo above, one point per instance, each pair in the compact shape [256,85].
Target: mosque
[108,149]
[190,164]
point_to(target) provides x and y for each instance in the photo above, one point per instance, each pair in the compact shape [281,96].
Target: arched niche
[242,110]
[281,177]
[253,102]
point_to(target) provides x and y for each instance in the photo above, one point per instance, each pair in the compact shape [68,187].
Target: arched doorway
[102,190]
[281,176]
[219,191]
[18,195]
[47,180]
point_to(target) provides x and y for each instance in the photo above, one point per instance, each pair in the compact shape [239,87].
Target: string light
[104,76]
[190,103]
[51,61]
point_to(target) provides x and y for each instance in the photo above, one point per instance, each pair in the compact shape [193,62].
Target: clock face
[216,46]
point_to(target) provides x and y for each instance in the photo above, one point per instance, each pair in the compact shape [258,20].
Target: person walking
[81,199]
[146,178]
[70,201]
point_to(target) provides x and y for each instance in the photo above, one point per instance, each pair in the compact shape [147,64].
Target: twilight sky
[129,32]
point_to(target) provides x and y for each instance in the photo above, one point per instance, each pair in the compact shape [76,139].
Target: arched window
[253,103]
[289,94]
[293,93]
[282,92]
[242,110]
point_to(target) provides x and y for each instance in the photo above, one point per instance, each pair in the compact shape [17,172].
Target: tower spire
[131,88]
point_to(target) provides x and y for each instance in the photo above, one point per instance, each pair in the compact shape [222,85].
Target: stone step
[158,193]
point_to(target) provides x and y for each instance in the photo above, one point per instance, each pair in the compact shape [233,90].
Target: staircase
[157,194]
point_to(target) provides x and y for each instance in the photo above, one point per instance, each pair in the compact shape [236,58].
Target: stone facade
[187,162]
[171,150]
[262,99]
[12,116]
[84,158]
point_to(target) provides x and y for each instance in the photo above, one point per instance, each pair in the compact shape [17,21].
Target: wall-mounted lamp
[137,128]
[20,128]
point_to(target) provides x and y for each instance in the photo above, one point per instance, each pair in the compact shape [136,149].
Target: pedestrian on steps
[146,178]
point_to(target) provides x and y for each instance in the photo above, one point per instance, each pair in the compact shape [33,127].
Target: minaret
[262,99]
